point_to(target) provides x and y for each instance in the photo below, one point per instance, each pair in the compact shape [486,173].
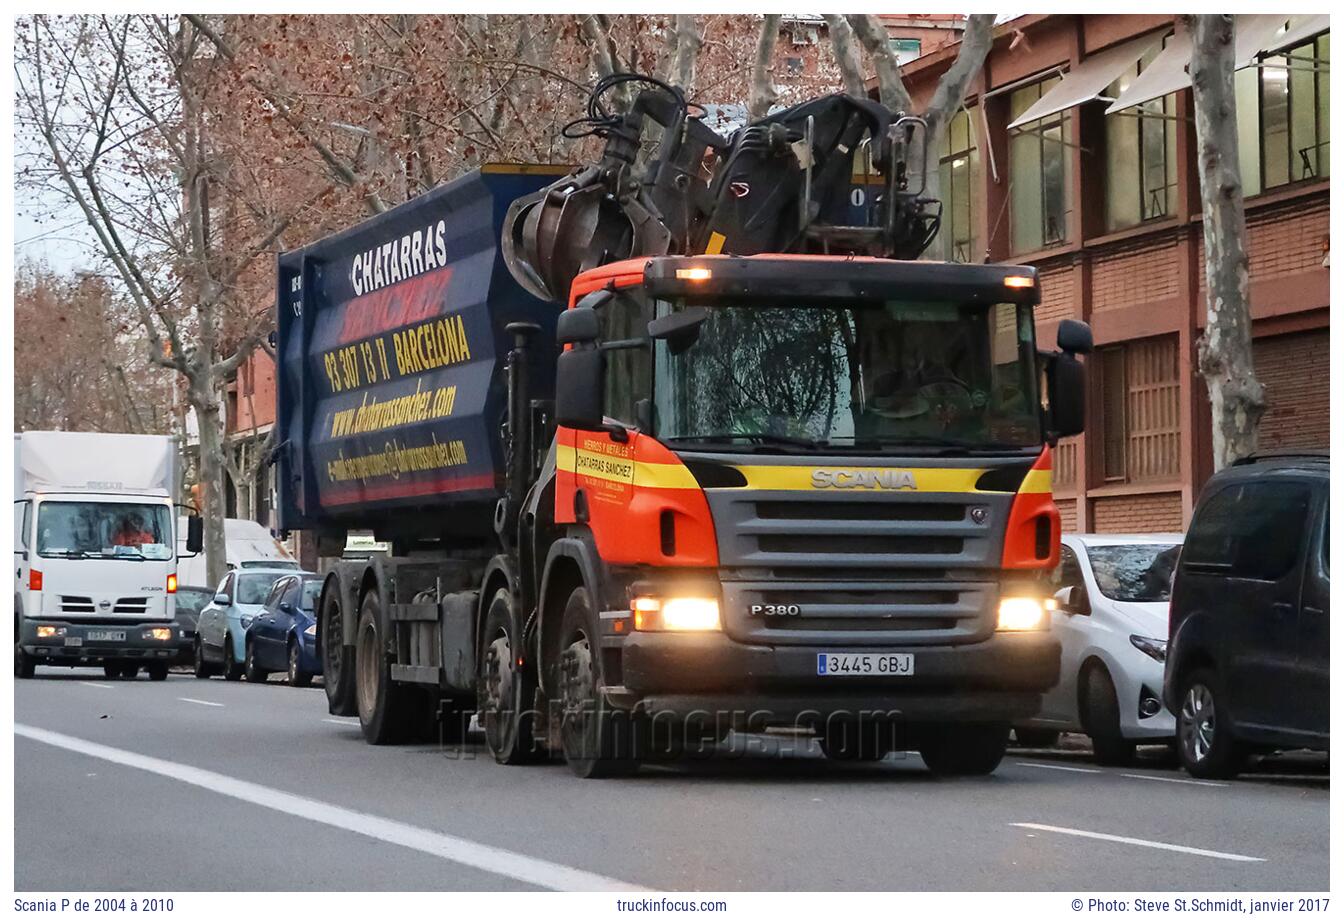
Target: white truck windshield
[104,530]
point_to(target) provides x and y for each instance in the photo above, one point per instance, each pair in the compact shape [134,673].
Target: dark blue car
[283,636]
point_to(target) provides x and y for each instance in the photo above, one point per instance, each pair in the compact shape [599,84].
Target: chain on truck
[766,470]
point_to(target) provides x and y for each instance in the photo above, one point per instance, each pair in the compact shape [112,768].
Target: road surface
[190,785]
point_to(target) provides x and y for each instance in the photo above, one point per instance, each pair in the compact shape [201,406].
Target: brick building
[1075,153]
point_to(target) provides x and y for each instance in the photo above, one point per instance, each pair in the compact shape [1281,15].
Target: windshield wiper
[758,438]
[67,554]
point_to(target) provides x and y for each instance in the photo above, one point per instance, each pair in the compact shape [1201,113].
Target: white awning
[1169,71]
[1089,79]
[1300,28]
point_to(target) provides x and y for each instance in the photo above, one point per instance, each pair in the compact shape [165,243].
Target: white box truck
[95,551]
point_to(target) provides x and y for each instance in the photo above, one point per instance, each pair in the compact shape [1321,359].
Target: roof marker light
[1019,281]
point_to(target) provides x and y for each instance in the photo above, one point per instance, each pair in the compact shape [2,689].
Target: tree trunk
[763,93]
[211,428]
[1225,360]
[846,55]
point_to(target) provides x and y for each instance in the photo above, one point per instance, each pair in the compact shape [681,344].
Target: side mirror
[1073,600]
[580,325]
[578,388]
[195,533]
[222,599]
[1066,384]
[1074,337]
[680,330]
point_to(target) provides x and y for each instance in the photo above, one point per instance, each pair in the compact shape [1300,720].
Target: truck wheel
[24,665]
[598,741]
[384,708]
[251,670]
[856,741]
[1204,739]
[233,670]
[128,671]
[200,667]
[506,692]
[964,750]
[297,676]
[338,659]
[1102,720]
[157,671]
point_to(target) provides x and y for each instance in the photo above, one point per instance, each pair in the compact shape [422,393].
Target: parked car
[222,628]
[191,600]
[283,636]
[1111,620]
[1248,665]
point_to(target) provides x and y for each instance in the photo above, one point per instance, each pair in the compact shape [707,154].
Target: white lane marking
[1138,842]
[346,721]
[89,683]
[1174,779]
[187,699]
[1055,766]
[445,846]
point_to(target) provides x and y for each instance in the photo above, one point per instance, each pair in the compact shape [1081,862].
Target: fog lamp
[1017,613]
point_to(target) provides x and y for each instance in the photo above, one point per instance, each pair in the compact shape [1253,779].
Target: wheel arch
[572,562]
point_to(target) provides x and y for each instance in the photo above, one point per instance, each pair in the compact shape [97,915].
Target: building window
[1040,168]
[1283,117]
[793,66]
[1140,156]
[1140,411]
[958,172]
[907,49]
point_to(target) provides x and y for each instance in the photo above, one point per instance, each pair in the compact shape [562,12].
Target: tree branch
[763,93]
[890,84]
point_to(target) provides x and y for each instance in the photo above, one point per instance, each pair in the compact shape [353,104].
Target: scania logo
[863,479]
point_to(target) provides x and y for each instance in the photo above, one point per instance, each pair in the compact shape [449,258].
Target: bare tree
[117,104]
[1225,353]
[846,54]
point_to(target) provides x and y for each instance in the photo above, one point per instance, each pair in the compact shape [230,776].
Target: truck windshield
[884,374]
[111,530]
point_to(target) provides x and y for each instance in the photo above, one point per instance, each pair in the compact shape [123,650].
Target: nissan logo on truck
[863,479]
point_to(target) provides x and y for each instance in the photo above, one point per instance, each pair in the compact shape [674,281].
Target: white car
[1111,618]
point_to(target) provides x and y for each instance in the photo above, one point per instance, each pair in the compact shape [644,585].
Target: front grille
[131,605]
[873,545]
[860,511]
[74,604]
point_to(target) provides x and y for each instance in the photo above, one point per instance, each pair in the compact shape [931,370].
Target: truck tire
[24,664]
[338,659]
[157,671]
[254,673]
[1102,720]
[964,750]
[598,741]
[506,692]
[385,708]
[1204,739]
[233,670]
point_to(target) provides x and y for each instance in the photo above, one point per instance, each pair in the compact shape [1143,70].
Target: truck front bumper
[689,674]
[78,643]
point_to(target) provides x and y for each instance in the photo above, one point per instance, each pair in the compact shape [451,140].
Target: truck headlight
[158,633]
[676,614]
[50,632]
[1155,649]
[1019,613]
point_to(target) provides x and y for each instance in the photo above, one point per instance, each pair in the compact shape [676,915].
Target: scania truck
[655,462]
[95,552]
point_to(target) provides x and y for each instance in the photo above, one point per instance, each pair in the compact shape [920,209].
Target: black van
[1248,651]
